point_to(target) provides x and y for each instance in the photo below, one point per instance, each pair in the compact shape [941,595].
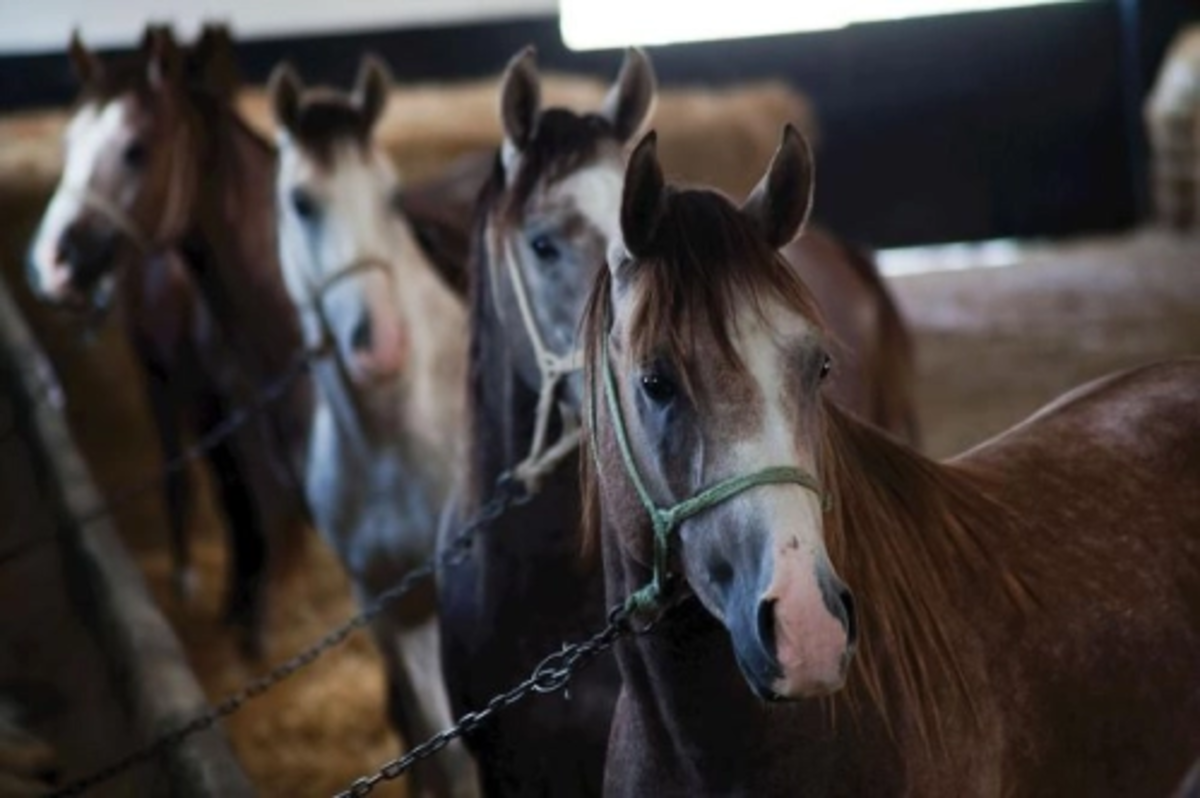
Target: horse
[1025,617]
[390,410]
[194,263]
[544,223]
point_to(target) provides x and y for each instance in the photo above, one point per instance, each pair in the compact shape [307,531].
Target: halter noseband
[650,599]
[553,368]
[113,215]
[318,288]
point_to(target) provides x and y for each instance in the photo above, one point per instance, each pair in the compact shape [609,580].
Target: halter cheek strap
[318,288]
[650,599]
[553,368]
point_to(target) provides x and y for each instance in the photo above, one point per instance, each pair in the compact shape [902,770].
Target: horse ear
[162,55]
[520,98]
[87,66]
[779,205]
[642,197]
[628,103]
[372,87]
[214,61]
[284,88]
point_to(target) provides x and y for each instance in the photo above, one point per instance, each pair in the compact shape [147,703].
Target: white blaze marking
[793,511]
[89,137]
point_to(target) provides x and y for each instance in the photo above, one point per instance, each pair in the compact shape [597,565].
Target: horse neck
[230,249]
[929,554]
[501,406]
[232,233]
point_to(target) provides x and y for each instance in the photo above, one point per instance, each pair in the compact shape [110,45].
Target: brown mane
[903,530]
[708,259]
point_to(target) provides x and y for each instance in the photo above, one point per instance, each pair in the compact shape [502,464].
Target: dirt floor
[993,345]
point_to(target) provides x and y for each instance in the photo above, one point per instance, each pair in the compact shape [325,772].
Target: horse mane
[908,533]
[904,531]
[708,258]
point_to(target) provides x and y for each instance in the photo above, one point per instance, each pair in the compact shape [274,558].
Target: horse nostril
[766,625]
[67,250]
[851,623]
[360,336]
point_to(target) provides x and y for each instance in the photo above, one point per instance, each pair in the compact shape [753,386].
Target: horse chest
[373,505]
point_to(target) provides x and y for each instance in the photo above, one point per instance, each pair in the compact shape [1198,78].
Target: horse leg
[177,484]
[418,707]
[246,573]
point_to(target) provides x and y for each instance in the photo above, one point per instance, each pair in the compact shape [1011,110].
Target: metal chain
[550,676]
[508,493]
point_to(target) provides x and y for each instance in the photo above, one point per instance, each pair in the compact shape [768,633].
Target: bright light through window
[601,24]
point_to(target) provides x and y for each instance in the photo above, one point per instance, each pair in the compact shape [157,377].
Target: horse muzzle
[799,638]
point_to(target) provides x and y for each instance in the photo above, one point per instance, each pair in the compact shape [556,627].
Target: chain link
[550,676]
[508,493]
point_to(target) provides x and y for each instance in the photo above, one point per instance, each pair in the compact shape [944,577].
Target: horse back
[1104,489]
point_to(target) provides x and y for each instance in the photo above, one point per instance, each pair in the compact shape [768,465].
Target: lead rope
[553,368]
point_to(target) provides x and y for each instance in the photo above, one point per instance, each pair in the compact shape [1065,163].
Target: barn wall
[1021,122]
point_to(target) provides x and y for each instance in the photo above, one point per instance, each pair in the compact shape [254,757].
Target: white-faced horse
[390,401]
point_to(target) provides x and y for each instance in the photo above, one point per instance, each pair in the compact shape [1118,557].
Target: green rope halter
[666,520]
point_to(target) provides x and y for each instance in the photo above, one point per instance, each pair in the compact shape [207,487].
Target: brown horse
[1026,616]
[545,222]
[208,315]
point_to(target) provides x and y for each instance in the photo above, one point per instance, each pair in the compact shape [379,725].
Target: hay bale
[1172,118]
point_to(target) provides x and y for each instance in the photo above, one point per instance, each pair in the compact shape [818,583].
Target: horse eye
[826,367]
[658,388]
[134,155]
[544,248]
[304,205]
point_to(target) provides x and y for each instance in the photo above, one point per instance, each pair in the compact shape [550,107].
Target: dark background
[1021,122]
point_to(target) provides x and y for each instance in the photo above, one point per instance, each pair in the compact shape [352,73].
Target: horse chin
[793,688]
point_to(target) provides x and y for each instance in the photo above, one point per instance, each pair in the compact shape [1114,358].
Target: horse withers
[838,615]
[390,412]
[193,262]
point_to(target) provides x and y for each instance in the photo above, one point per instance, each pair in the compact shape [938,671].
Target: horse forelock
[708,265]
[562,143]
[326,121]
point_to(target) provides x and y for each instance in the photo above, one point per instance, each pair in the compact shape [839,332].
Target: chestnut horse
[208,316]
[1025,617]
[390,415]
[544,223]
